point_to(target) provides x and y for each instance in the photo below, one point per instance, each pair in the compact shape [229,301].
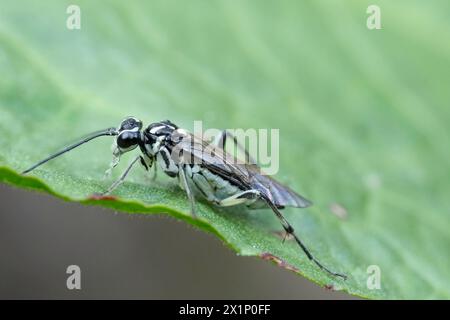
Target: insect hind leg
[290,230]
[239,198]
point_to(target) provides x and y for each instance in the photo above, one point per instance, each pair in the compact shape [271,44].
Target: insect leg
[114,162]
[221,142]
[122,177]
[182,175]
[290,230]
[155,172]
[239,198]
[149,165]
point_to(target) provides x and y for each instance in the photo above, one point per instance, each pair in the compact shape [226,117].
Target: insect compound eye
[130,123]
[128,139]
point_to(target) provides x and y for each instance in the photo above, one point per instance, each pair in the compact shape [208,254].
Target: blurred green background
[363,115]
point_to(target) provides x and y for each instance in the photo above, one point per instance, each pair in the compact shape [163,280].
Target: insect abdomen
[210,185]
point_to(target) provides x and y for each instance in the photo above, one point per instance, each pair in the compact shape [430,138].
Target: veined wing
[281,195]
[246,176]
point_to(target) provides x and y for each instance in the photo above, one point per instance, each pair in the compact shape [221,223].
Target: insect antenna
[290,230]
[96,134]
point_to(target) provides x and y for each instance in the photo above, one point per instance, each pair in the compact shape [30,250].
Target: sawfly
[202,168]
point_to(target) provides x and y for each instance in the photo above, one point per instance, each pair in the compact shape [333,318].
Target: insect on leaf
[362,134]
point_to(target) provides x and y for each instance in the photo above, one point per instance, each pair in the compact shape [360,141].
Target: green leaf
[363,118]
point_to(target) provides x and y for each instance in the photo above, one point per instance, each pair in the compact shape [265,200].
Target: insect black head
[129,134]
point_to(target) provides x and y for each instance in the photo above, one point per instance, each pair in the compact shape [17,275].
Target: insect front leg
[114,162]
[184,182]
[123,176]
[221,141]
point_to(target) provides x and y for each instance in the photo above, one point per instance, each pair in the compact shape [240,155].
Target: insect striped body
[202,169]
[214,176]
[203,182]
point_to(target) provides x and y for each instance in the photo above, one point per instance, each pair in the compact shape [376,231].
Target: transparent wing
[281,195]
